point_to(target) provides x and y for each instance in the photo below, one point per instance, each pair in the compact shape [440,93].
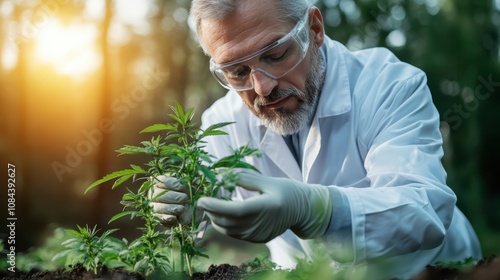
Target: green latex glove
[283,204]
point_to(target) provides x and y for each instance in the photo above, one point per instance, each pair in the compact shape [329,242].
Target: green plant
[178,152]
[41,257]
[3,260]
[87,248]
[261,262]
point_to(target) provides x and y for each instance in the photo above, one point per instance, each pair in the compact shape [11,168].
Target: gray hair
[292,10]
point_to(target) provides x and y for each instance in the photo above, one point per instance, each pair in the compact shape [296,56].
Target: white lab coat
[375,141]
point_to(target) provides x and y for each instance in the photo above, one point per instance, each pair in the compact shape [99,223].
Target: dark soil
[223,271]
[77,272]
[486,269]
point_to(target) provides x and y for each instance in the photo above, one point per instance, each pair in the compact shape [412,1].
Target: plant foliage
[178,152]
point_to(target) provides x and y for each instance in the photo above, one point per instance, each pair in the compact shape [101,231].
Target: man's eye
[238,72]
[276,57]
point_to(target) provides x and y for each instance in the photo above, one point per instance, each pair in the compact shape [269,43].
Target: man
[350,140]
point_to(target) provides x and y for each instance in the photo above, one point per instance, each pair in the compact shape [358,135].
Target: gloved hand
[173,205]
[283,204]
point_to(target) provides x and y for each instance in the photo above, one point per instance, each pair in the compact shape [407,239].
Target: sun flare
[70,49]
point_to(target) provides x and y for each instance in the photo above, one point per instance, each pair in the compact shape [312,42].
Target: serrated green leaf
[136,243]
[124,252]
[114,263]
[213,130]
[112,176]
[188,116]
[69,241]
[205,157]
[138,169]
[176,118]
[158,127]
[213,133]
[150,150]
[233,162]
[74,232]
[128,196]
[61,254]
[121,180]
[121,214]
[208,173]
[129,150]
[113,244]
[242,164]
[218,125]
[245,151]
[173,136]
[108,232]
[178,108]
[144,187]
[146,144]
[199,253]
[141,264]
[225,162]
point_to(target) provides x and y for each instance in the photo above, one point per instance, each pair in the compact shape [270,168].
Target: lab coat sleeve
[407,206]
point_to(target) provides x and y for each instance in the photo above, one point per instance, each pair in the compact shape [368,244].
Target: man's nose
[262,83]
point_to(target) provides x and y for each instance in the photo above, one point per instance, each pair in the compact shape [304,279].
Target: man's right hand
[171,201]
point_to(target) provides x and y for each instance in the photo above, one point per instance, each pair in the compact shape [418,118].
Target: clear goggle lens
[275,60]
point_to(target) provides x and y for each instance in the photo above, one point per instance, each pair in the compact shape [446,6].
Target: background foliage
[79,79]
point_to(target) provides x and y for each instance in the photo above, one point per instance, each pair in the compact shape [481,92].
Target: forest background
[80,79]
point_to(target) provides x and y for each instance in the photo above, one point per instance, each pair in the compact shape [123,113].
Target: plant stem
[188,261]
[184,244]
[172,252]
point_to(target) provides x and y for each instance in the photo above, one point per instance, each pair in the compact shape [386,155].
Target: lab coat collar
[335,98]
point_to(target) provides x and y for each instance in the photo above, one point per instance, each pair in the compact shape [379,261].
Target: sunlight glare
[72,49]
[135,14]
[6,8]
[132,11]
[9,56]
[94,9]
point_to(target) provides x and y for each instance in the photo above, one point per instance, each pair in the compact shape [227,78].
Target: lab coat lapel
[273,145]
[335,99]
[311,149]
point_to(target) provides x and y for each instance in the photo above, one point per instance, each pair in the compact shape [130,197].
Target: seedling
[87,248]
[183,158]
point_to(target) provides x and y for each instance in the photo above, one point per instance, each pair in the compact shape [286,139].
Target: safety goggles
[275,60]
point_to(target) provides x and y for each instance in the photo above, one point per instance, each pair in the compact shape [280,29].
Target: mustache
[276,94]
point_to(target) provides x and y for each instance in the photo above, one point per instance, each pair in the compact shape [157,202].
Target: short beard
[284,122]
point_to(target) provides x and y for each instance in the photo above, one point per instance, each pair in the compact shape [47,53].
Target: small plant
[261,262]
[87,248]
[185,159]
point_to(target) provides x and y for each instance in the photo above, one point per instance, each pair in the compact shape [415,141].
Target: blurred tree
[104,148]
[21,143]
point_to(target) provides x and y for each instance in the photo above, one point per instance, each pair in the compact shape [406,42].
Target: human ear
[316,26]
